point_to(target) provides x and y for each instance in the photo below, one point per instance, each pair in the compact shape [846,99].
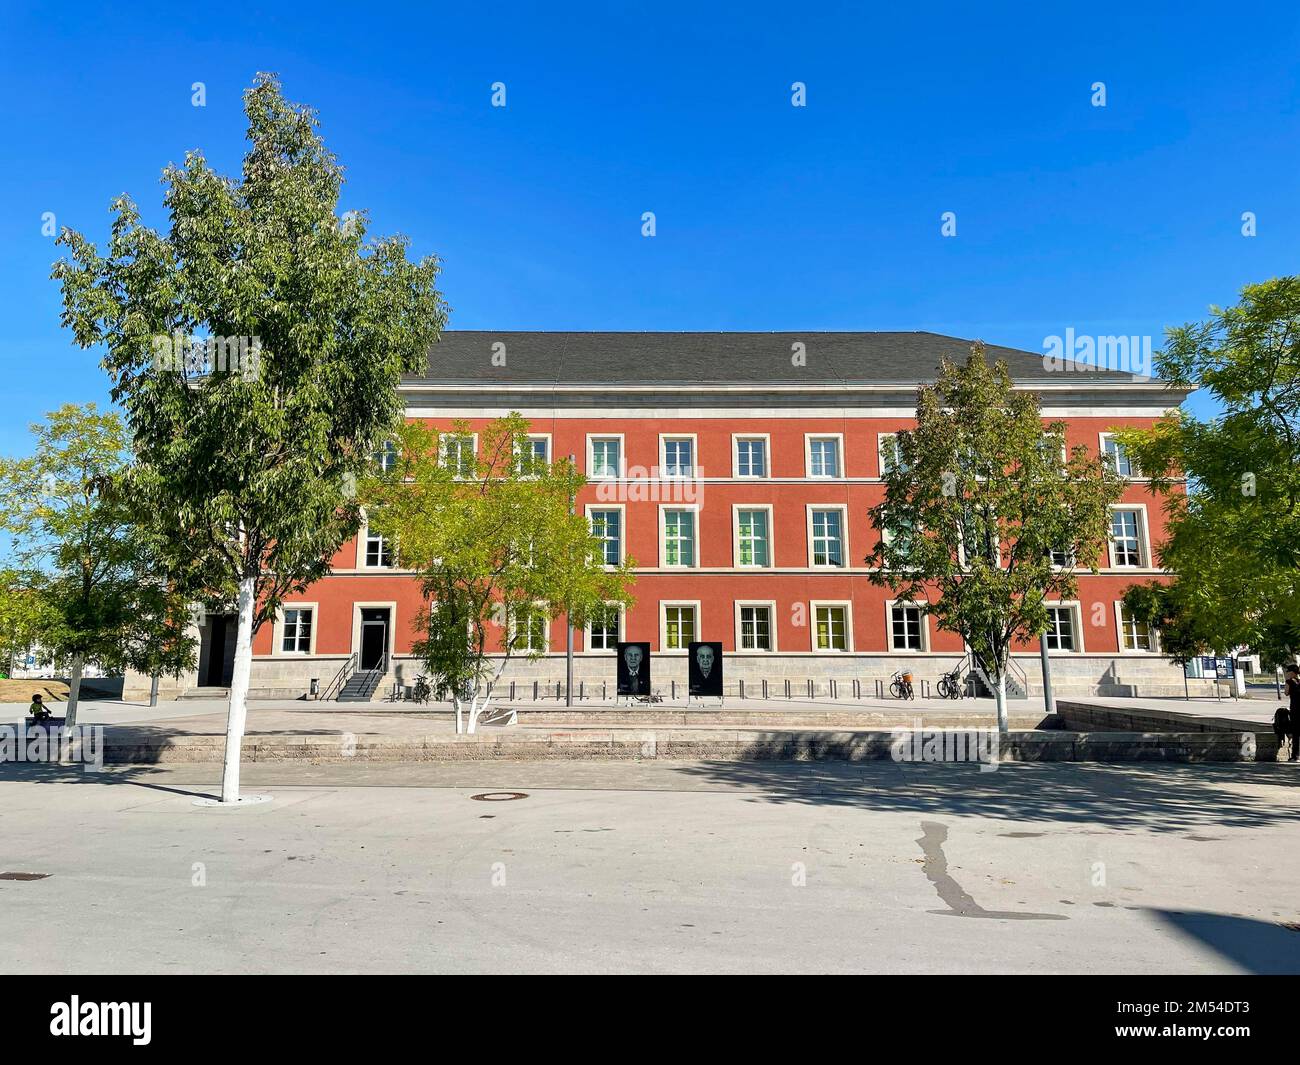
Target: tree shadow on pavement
[1158,797]
[1259,947]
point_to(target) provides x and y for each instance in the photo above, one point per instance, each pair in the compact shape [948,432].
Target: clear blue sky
[1121,219]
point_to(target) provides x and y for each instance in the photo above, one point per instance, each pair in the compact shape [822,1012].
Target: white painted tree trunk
[1000,694]
[455,702]
[74,692]
[239,691]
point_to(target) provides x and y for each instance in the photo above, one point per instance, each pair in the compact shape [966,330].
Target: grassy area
[21,691]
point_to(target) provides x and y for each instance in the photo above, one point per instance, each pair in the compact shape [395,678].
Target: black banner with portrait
[633,669]
[704,673]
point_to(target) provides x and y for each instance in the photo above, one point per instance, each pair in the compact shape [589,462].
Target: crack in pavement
[952,894]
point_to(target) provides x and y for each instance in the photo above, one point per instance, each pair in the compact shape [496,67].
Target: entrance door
[374,636]
[217,650]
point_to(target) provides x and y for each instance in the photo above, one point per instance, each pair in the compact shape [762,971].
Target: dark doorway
[374,636]
[217,650]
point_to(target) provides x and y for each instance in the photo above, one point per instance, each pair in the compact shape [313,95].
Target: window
[891,457]
[602,629]
[608,526]
[1126,538]
[823,456]
[529,633]
[458,453]
[899,535]
[386,457]
[1062,559]
[827,537]
[755,628]
[752,538]
[831,628]
[379,551]
[679,537]
[296,638]
[606,457]
[1134,635]
[679,457]
[679,627]
[534,454]
[1114,453]
[751,457]
[905,633]
[1060,634]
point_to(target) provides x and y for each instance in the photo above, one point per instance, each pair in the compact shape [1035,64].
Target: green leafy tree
[88,586]
[977,498]
[256,348]
[498,547]
[1234,532]
[26,618]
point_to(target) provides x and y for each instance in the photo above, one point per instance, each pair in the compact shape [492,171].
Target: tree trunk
[74,692]
[1000,694]
[455,704]
[239,691]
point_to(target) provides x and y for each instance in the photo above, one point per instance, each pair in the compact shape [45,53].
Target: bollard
[787,687]
[536,685]
[742,689]
[834,691]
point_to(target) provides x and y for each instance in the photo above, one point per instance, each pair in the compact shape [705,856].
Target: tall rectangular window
[458,454]
[824,456]
[603,629]
[1117,456]
[605,458]
[1060,632]
[752,538]
[905,628]
[679,459]
[751,457]
[1135,635]
[530,630]
[386,457]
[534,455]
[827,538]
[755,628]
[297,631]
[891,458]
[1126,537]
[608,526]
[679,538]
[379,552]
[831,628]
[679,627]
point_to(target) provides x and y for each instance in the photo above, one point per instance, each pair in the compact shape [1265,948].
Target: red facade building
[737,470]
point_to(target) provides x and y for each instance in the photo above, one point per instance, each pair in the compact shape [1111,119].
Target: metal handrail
[340,678]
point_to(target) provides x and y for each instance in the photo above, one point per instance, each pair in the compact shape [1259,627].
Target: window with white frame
[751,456]
[1062,559]
[679,627]
[534,454]
[831,628]
[679,457]
[386,457]
[607,525]
[603,628]
[679,538]
[755,628]
[827,537]
[1114,453]
[823,456]
[606,458]
[1061,634]
[753,538]
[1126,537]
[891,457]
[296,634]
[905,628]
[529,630]
[457,453]
[1135,635]
[379,552]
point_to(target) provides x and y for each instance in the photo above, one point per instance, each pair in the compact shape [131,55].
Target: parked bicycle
[900,685]
[950,685]
[421,691]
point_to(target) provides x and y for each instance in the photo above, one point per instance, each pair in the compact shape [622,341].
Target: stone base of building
[852,676]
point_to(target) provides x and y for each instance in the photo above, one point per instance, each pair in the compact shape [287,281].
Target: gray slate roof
[464,356]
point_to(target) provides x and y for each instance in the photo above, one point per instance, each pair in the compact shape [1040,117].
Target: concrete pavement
[660,867]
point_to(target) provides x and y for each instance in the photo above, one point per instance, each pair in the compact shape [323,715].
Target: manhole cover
[23,876]
[499,796]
